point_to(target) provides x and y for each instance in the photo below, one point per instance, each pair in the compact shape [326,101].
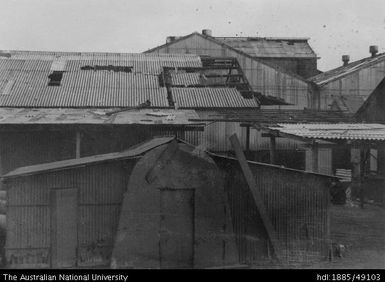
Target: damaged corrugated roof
[85,79]
[96,116]
[104,80]
[344,131]
[211,98]
[331,75]
[269,47]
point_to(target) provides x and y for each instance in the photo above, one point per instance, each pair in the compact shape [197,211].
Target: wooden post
[78,143]
[272,149]
[355,158]
[277,248]
[363,153]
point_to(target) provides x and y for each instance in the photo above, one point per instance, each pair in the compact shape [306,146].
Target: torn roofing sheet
[96,116]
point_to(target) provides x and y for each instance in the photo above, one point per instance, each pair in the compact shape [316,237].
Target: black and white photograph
[192,134]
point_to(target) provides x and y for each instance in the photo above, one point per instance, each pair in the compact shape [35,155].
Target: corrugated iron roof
[96,116]
[331,75]
[211,98]
[345,131]
[185,79]
[270,47]
[29,72]
[67,164]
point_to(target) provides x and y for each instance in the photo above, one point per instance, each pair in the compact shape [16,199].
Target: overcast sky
[336,27]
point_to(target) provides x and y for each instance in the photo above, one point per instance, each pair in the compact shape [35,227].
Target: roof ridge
[213,39]
[350,68]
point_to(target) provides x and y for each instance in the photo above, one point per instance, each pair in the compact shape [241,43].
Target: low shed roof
[67,164]
[133,152]
[338,131]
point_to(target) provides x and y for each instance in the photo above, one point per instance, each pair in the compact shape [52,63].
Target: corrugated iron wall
[262,77]
[358,84]
[297,204]
[101,189]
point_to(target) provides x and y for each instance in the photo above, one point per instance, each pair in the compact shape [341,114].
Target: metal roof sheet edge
[132,152]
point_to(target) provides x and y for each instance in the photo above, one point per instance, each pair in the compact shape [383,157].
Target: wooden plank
[277,248]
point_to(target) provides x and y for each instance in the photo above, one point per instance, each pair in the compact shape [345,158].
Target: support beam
[272,236]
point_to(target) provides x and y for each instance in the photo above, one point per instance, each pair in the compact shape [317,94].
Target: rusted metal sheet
[211,98]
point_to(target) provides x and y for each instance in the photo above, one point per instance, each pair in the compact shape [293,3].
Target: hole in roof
[55,78]
[107,68]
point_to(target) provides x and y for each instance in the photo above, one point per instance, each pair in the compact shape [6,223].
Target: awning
[330,132]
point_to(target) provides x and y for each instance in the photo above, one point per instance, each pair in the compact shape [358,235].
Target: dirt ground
[362,233]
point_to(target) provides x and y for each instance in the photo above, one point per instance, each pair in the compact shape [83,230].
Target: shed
[174,213]
[161,204]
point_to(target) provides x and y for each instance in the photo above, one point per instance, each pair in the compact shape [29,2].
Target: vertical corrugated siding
[101,189]
[262,77]
[297,204]
[360,83]
[215,136]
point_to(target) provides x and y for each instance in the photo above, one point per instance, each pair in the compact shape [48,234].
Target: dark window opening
[55,78]
[107,68]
